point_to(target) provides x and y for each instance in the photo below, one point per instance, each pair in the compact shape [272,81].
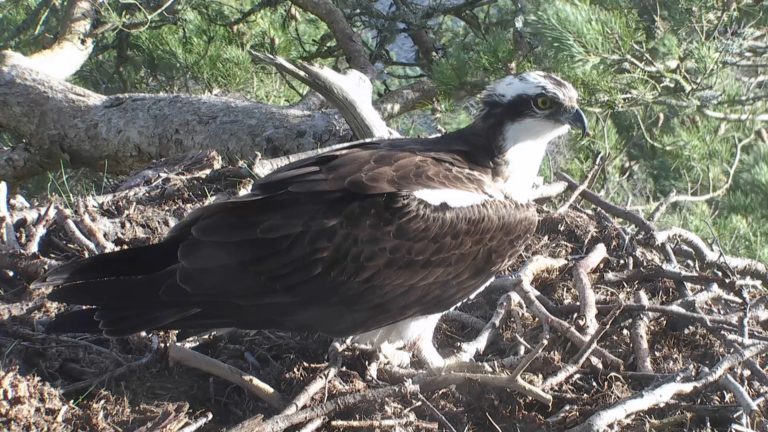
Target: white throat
[525,143]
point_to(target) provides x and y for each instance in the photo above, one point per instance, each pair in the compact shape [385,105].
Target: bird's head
[532,107]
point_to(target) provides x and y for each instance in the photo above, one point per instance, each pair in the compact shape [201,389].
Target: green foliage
[647,77]
[201,48]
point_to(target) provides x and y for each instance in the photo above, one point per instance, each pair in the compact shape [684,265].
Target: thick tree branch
[348,39]
[406,98]
[58,121]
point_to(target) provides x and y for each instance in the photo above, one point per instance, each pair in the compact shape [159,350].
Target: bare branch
[573,366]
[512,382]
[710,257]
[350,93]
[279,423]
[739,393]
[522,286]
[406,99]
[664,393]
[73,46]
[202,362]
[8,238]
[590,177]
[64,219]
[584,286]
[334,364]
[348,39]
[612,209]
[639,337]
[397,424]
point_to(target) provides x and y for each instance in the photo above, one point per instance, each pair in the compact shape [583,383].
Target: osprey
[375,240]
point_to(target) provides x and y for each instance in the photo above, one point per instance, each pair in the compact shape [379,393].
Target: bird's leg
[425,350]
[395,344]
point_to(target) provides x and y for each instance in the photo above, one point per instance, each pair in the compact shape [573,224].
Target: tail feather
[125,286]
[138,261]
[123,292]
[79,321]
[125,322]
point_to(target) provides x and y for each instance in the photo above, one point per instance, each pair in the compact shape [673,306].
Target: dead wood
[59,121]
[190,358]
[639,336]
[584,286]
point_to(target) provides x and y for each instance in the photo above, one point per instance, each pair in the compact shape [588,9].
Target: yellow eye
[542,102]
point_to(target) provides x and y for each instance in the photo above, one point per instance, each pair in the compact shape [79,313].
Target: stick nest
[605,321]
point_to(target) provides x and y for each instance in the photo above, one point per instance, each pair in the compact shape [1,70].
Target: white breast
[452,197]
[526,142]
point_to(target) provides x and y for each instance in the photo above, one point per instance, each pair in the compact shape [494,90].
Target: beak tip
[579,120]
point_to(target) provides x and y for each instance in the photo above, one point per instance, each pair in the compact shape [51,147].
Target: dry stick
[522,286]
[224,371]
[639,336]
[93,231]
[62,217]
[114,373]
[671,260]
[440,417]
[197,424]
[479,343]
[576,192]
[40,228]
[548,190]
[7,233]
[384,423]
[526,292]
[711,293]
[739,393]
[584,286]
[512,382]
[313,425]
[334,364]
[612,209]
[662,394]
[672,309]
[710,257]
[279,423]
[656,272]
[574,364]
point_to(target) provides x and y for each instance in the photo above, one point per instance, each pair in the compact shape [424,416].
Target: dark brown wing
[335,243]
[372,262]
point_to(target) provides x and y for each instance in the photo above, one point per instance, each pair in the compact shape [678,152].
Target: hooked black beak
[577,119]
